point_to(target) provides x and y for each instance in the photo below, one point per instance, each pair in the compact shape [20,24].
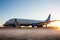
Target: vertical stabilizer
[48,19]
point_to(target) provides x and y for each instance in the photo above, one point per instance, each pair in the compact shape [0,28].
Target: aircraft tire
[32,26]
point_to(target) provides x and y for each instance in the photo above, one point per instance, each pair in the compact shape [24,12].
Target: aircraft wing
[54,20]
[45,23]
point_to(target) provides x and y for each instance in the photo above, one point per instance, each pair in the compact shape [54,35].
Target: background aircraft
[26,22]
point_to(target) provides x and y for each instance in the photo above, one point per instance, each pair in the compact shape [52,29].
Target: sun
[56,24]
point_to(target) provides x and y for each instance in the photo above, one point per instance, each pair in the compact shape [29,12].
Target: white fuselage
[23,21]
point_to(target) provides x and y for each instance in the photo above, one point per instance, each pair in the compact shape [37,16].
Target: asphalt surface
[29,34]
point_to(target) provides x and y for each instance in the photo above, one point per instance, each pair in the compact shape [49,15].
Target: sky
[29,9]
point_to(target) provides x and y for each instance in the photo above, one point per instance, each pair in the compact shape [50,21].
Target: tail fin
[48,19]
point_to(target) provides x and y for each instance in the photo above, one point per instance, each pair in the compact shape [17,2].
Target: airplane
[26,22]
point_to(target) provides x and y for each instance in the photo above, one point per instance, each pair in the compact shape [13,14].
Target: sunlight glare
[56,24]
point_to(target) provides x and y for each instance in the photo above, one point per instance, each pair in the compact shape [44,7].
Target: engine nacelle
[34,24]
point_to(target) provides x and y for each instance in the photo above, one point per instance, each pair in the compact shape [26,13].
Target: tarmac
[29,34]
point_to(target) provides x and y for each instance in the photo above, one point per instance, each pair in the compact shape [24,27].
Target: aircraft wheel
[32,26]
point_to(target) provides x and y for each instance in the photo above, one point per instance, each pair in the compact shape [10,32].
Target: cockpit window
[10,20]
